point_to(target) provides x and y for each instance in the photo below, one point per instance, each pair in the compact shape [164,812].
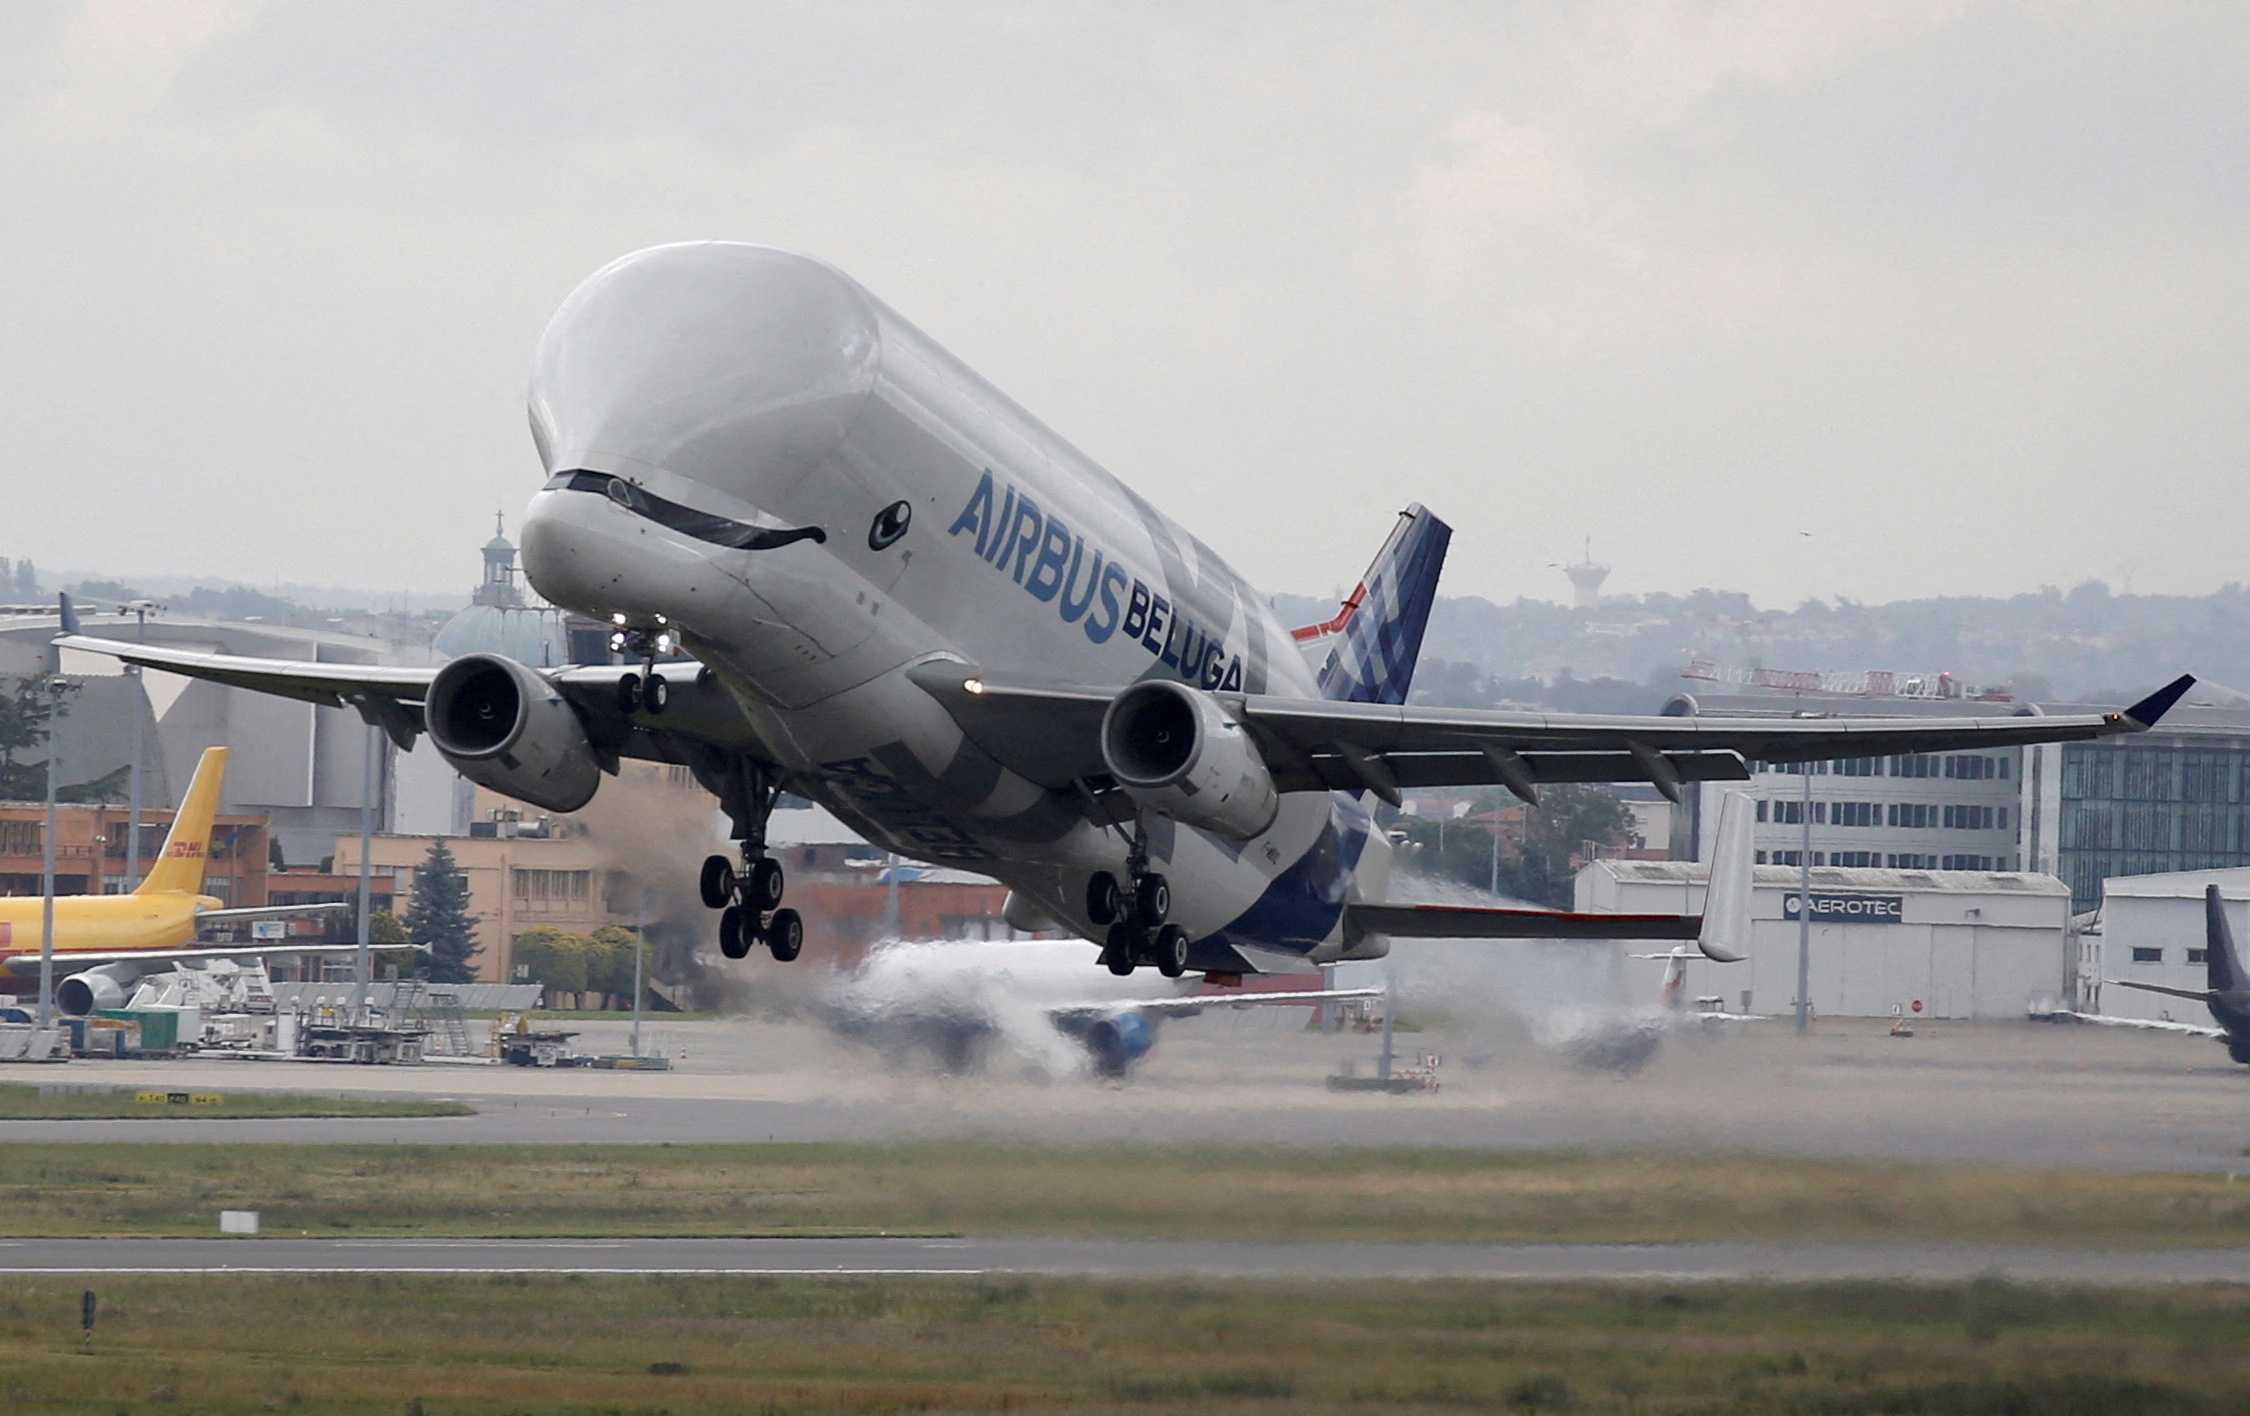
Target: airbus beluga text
[908,599]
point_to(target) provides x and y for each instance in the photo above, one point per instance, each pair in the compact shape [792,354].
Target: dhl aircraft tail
[179,869]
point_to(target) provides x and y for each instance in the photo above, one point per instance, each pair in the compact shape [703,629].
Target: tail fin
[179,870]
[2221,964]
[1378,630]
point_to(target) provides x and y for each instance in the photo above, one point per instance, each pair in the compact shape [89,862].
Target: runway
[1125,1259]
[2019,1094]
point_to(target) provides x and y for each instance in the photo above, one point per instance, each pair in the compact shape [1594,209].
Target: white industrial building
[2150,930]
[1960,944]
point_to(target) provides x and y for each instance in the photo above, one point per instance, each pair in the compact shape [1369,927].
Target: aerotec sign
[1848,909]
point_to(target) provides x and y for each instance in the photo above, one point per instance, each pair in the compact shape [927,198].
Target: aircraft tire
[1171,951]
[734,940]
[785,935]
[717,882]
[655,694]
[1152,899]
[762,888]
[629,694]
[1104,901]
[2239,1049]
[1117,950]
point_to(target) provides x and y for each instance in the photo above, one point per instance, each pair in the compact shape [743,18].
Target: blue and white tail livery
[1376,637]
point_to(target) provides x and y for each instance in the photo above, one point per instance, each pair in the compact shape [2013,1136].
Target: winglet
[2145,713]
[1725,934]
[69,612]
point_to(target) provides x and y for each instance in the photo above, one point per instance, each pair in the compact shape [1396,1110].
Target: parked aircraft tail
[179,867]
[1377,632]
[2222,965]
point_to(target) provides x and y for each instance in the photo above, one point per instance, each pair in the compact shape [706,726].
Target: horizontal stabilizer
[2198,994]
[1465,922]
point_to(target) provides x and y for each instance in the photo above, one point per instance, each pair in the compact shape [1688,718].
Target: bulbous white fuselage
[746,446]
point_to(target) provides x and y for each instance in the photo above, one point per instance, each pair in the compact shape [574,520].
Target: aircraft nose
[734,366]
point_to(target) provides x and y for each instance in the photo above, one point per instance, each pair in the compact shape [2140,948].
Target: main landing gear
[749,905]
[1138,933]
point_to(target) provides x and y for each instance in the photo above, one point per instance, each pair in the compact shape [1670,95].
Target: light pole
[640,947]
[55,689]
[133,781]
[1804,903]
[360,961]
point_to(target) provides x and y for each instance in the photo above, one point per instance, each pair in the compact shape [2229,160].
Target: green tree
[439,917]
[534,954]
[611,970]
[1537,860]
[391,943]
[1567,820]
[25,708]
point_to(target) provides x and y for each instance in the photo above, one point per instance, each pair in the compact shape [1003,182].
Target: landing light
[973,685]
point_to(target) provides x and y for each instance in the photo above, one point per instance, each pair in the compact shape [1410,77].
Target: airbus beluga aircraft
[908,599]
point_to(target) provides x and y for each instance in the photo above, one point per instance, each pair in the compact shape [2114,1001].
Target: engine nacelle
[95,989]
[1178,753]
[505,727]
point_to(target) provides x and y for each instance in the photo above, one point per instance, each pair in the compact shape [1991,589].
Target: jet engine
[1178,753]
[1114,1041]
[505,727]
[95,989]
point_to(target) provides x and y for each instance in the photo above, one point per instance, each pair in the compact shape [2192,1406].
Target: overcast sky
[1872,300]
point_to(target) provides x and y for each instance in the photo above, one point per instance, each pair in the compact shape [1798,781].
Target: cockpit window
[702,525]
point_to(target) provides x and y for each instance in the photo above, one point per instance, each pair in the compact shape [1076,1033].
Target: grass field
[65,1188]
[486,1346]
[19,1102]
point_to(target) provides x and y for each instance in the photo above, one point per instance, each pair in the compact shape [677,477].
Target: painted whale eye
[890,524]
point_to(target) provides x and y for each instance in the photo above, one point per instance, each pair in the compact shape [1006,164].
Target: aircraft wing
[2200,995]
[390,697]
[2152,1024]
[76,959]
[1052,735]
[268,912]
[1197,1002]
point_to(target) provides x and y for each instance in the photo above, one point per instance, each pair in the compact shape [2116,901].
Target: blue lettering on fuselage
[1054,564]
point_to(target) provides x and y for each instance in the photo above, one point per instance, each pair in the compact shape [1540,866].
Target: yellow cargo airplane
[124,936]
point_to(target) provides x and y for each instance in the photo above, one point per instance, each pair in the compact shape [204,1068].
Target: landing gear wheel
[1104,902]
[717,882]
[785,935]
[1170,951]
[735,938]
[1152,899]
[655,693]
[629,694]
[1117,950]
[762,887]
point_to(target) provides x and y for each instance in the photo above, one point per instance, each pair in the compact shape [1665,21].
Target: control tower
[1586,578]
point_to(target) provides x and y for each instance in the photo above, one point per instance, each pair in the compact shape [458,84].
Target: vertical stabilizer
[1378,630]
[179,869]
[2222,965]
